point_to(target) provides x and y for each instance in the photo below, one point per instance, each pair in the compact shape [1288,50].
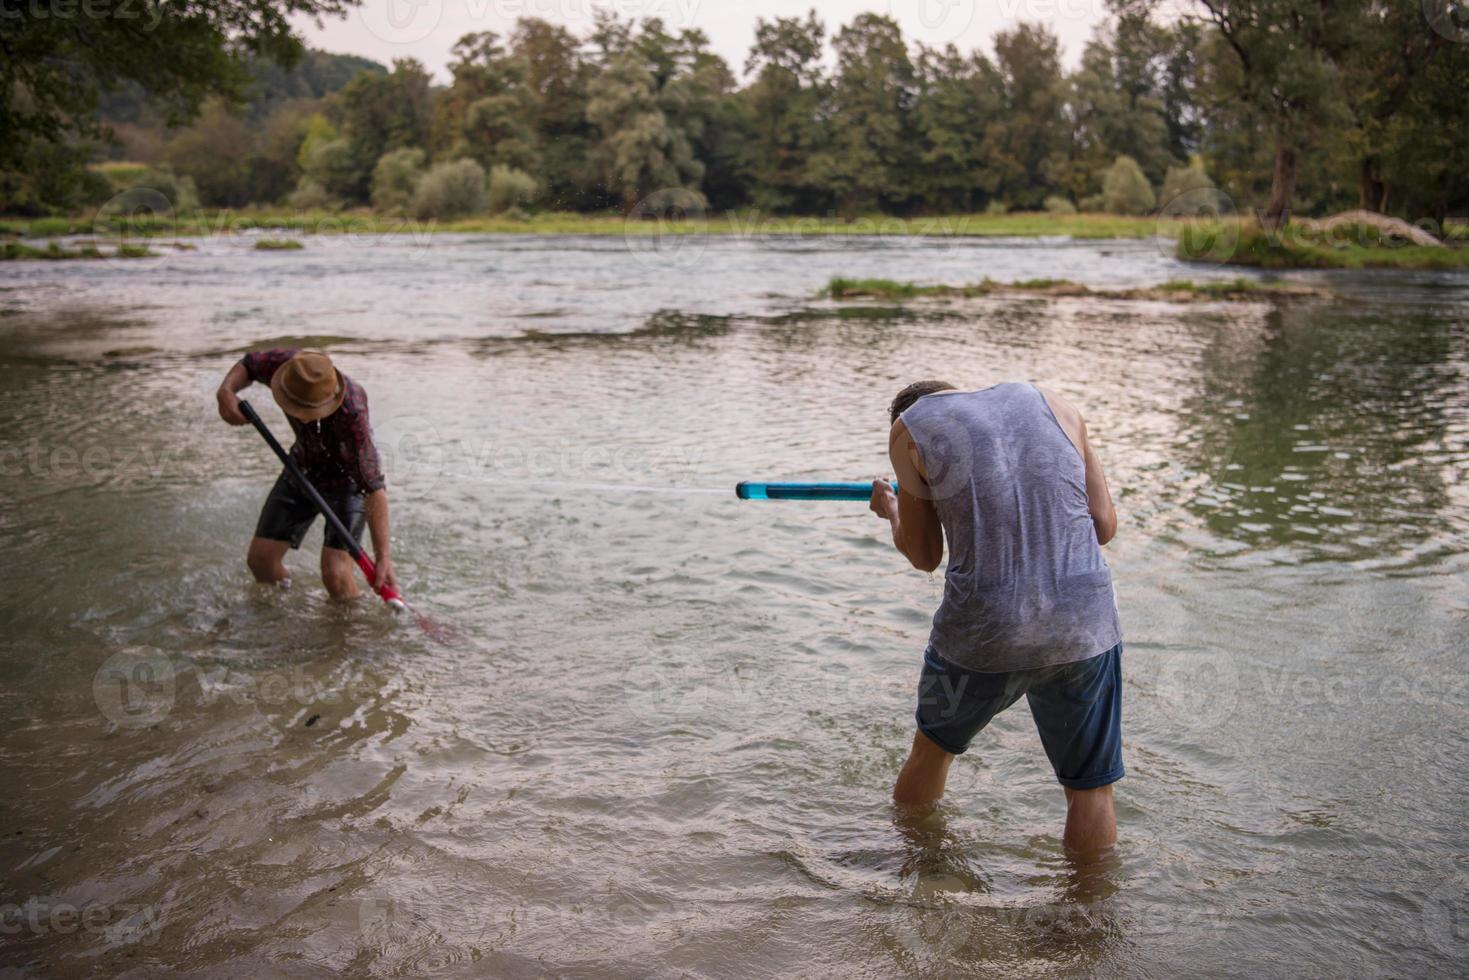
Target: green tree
[54,67]
[380,113]
[556,76]
[785,102]
[959,100]
[486,114]
[1125,188]
[1273,73]
[870,155]
[1026,148]
[395,179]
[652,104]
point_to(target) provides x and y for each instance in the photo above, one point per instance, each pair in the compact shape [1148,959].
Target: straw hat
[308,387]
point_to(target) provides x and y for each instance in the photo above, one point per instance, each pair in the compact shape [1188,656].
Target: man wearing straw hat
[334,448]
[1008,476]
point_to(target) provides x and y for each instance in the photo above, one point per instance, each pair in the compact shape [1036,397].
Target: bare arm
[376,508]
[1098,496]
[235,381]
[917,533]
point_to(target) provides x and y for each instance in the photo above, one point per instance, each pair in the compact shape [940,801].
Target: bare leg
[339,573]
[1091,821]
[921,782]
[264,559]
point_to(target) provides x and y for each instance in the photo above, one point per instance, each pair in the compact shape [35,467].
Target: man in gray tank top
[1008,476]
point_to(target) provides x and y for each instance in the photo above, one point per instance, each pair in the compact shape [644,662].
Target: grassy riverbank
[1173,291]
[751,223]
[1302,244]
[1304,247]
[13,251]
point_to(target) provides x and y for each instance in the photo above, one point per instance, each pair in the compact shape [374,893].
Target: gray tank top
[1026,585]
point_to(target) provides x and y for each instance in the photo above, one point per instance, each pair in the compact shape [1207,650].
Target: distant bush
[121,174]
[509,188]
[451,190]
[1092,203]
[1180,180]
[1059,205]
[395,179]
[1125,190]
[179,191]
[996,207]
[330,164]
[311,196]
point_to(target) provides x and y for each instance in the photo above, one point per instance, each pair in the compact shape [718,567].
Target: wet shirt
[1026,584]
[337,452]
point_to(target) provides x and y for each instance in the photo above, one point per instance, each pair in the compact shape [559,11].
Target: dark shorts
[288,515]
[1077,709]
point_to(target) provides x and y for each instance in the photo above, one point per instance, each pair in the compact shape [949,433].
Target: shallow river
[664,743]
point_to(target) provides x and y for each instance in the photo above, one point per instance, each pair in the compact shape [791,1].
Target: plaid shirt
[337,453]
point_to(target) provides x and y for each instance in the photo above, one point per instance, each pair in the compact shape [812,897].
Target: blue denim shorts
[1077,709]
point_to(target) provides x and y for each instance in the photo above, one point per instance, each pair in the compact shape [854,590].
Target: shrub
[1125,190]
[329,163]
[509,188]
[996,207]
[311,196]
[450,190]
[1093,203]
[395,178]
[1180,180]
[1059,205]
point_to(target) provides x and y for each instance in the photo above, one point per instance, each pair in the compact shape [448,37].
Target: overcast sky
[427,29]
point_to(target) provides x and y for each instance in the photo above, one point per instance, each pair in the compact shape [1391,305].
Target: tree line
[1286,104]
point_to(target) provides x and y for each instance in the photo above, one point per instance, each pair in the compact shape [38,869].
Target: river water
[664,742]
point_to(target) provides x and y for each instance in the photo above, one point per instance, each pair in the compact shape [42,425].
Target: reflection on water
[667,742]
[1324,431]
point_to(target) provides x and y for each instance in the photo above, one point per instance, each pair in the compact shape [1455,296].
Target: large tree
[1274,72]
[1026,151]
[55,61]
[785,102]
[959,101]
[872,149]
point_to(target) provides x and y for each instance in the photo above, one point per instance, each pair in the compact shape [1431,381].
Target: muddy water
[665,742]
